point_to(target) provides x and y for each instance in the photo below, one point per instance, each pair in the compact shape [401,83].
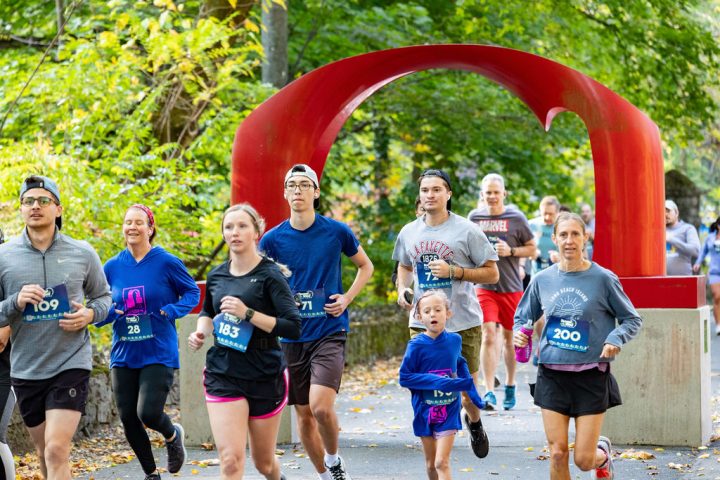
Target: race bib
[428,281]
[436,397]
[51,307]
[136,328]
[311,303]
[494,238]
[232,332]
[716,246]
[542,263]
[568,333]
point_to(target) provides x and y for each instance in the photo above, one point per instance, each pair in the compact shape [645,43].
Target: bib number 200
[563,334]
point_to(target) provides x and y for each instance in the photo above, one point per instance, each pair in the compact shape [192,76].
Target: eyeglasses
[304,186]
[42,201]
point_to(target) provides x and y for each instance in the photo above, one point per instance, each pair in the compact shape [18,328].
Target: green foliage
[87,120]
[141,101]
[660,55]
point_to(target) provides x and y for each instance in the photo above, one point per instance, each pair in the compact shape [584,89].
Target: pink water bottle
[522,354]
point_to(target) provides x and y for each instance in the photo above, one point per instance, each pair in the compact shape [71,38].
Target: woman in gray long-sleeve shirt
[588,320]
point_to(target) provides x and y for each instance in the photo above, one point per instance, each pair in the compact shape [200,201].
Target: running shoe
[176,450]
[717,329]
[608,471]
[509,401]
[152,476]
[477,437]
[490,401]
[337,471]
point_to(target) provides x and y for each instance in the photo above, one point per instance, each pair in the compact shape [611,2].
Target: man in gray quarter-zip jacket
[44,278]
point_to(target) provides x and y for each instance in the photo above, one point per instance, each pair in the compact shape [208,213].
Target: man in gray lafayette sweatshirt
[682,244]
[44,277]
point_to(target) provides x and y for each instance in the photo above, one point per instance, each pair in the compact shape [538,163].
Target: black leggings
[7,403]
[140,395]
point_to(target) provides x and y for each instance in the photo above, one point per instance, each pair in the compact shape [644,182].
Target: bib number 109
[45,305]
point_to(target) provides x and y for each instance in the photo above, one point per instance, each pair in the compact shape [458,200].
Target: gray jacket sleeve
[688,243]
[96,289]
[8,308]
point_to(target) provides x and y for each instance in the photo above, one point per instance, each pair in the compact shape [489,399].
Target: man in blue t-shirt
[311,246]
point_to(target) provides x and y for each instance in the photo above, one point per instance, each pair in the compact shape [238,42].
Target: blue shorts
[713,279]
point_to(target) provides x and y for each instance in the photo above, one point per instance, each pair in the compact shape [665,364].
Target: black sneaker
[337,471]
[477,437]
[176,450]
[152,476]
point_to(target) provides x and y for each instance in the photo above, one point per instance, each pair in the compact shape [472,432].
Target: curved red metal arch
[300,123]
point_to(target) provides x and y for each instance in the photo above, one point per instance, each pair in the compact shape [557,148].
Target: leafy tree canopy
[139,102]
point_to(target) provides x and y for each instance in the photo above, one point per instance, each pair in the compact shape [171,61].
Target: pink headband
[148,212]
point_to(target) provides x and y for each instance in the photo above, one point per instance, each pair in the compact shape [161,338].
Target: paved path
[377,443]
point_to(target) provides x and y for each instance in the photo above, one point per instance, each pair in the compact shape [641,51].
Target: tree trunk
[275,42]
[177,118]
[60,18]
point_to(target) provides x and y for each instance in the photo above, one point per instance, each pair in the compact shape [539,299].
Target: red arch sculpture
[300,123]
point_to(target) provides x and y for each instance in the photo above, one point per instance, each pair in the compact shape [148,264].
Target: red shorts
[499,307]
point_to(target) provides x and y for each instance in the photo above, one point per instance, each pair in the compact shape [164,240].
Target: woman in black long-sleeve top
[248,304]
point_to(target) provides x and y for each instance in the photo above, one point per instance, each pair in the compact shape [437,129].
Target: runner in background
[711,249]
[508,231]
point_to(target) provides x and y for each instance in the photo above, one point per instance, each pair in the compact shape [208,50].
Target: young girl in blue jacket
[435,372]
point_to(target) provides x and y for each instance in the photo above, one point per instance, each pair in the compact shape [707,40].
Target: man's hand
[503,249]
[32,294]
[77,320]
[340,304]
[401,298]
[439,268]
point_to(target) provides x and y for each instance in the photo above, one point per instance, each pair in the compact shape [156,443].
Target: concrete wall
[664,378]
[193,413]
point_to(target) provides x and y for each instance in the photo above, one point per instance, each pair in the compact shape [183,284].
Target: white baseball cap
[304,171]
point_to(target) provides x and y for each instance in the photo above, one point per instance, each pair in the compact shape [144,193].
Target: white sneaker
[717,329]
[337,471]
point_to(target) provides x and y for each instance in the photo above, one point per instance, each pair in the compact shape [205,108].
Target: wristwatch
[249,314]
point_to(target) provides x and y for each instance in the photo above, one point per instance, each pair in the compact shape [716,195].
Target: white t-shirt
[458,241]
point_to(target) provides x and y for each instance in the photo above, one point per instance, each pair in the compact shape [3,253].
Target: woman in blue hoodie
[150,289]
